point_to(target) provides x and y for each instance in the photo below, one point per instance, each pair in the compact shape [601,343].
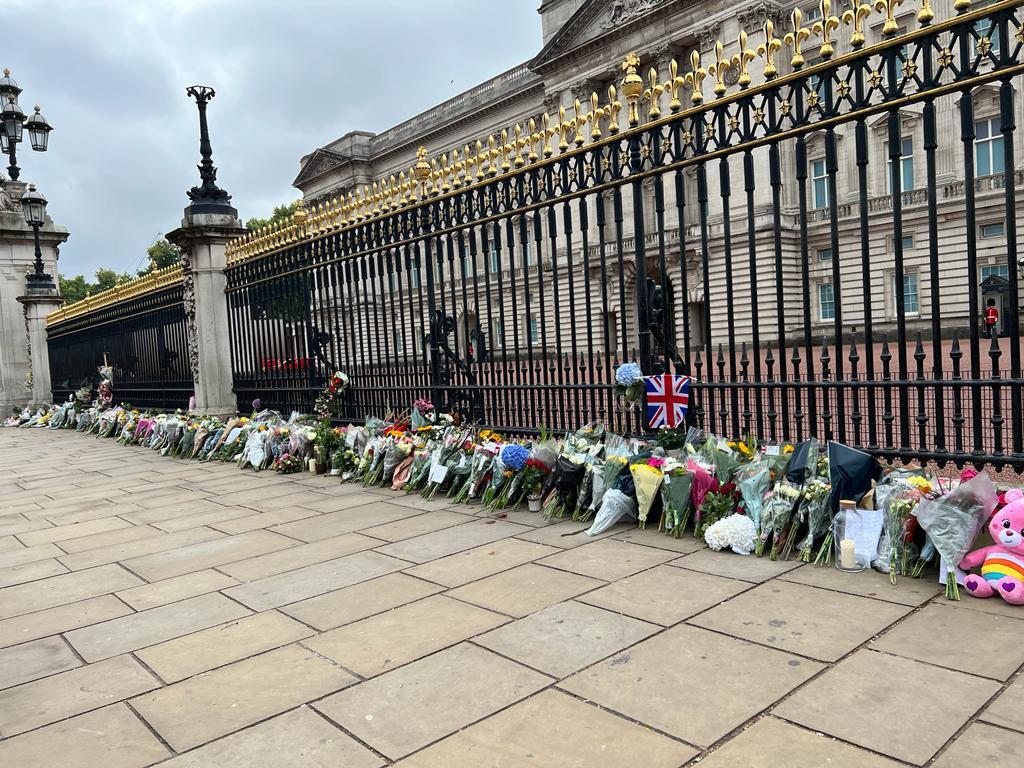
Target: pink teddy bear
[1002,564]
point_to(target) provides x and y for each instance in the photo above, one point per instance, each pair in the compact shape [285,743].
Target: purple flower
[257,404]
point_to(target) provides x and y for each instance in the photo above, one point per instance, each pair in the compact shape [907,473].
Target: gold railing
[152,281]
[522,145]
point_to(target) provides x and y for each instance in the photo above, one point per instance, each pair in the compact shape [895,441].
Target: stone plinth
[202,238]
[17,256]
[37,307]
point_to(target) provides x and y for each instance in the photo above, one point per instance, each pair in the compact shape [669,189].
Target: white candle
[312,465]
[847,554]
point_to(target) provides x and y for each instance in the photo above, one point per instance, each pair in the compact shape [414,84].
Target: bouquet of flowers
[647,479]
[480,462]
[533,476]
[703,482]
[753,481]
[287,464]
[952,522]
[568,474]
[423,416]
[716,506]
[327,402]
[778,507]
[586,494]
[629,382]
[513,457]
[817,503]
[344,462]
[675,497]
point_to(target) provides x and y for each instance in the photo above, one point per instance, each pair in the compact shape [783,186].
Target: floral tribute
[739,495]
[328,402]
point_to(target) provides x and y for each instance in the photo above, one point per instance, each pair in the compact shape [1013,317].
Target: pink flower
[656,461]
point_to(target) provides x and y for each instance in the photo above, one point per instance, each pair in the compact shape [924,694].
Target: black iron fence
[801,243]
[139,329]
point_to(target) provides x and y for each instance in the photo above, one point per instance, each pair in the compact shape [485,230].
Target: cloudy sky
[290,76]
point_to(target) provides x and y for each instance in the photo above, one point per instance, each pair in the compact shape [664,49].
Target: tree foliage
[281,213]
[161,254]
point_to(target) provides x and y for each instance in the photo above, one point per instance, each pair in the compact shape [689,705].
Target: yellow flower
[920,483]
[745,449]
[787,448]
[731,444]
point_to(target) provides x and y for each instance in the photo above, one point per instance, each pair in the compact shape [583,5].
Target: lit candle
[848,554]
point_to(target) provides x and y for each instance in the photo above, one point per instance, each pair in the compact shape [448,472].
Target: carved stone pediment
[320,162]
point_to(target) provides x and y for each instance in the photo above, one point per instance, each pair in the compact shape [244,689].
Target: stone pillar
[24,374]
[37,308]
[202,238]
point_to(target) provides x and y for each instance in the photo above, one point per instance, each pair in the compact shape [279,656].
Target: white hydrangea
[736,532]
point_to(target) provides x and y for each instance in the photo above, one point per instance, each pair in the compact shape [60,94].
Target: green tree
[161,254]
[108,278]
[281,213]
[73,289]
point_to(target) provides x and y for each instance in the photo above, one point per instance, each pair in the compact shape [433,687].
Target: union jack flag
[667,399]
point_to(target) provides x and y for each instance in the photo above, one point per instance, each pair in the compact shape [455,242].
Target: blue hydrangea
[514,456]
[628,374]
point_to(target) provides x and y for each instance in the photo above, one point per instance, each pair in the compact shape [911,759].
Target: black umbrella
[850,472]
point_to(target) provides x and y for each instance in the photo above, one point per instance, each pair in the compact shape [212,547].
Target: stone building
[582,46]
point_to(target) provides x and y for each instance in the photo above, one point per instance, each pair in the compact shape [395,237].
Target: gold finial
[795,38]
[505,150]
[545,134]
[854,16]
[695,78]
[889,8]
[614,107]
[519,143]
[563,130]
[632,85]
[674,83]
[744,57]
[534,137]
[492,155]
[652,94]
[299,217]
[768,49]
[925,15]
[481,159]
[421,171]
[721,65]
[578,122]
[962,6]
[824,27]
[596,113]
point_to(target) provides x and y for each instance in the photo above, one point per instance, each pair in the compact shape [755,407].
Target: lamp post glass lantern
[13,123]
[33,205]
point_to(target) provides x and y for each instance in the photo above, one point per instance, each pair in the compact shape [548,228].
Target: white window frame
[906,162]
[907,275]
[815,177]
[1003,270]
[822,302]
[994,235]
[987,144]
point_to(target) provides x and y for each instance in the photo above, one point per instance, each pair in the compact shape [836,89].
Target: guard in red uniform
[991,318]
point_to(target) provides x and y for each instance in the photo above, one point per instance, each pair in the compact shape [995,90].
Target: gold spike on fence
[841,25]
[151,281]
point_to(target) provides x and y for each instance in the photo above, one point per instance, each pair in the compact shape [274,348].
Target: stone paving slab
[66,694]
[140,630]
[218,646]
[67,588]
[296,739]
[359,601]
[111,737]
[258,620]
[396,713]
[552,730]
[220,702]
[35,659]
[842,703]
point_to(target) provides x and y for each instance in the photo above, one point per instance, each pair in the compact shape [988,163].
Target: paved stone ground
[155,611]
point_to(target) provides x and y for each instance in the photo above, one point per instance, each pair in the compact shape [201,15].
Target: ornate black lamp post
[33,205]
[207,197]
[13,122]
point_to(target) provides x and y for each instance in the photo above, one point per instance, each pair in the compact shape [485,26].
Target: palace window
[999,270]
[986,28]
[824,254]
[495,257]
[988,147]
[497,331]
[819,184]
[532,328]
[910,294]
[906,166]
[611,330]
[992,230]
[826,301]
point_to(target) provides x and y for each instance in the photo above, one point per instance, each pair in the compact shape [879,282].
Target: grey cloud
[111,77]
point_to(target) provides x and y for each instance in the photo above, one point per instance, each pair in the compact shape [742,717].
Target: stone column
[24,373]
[202,238]
[37,307]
